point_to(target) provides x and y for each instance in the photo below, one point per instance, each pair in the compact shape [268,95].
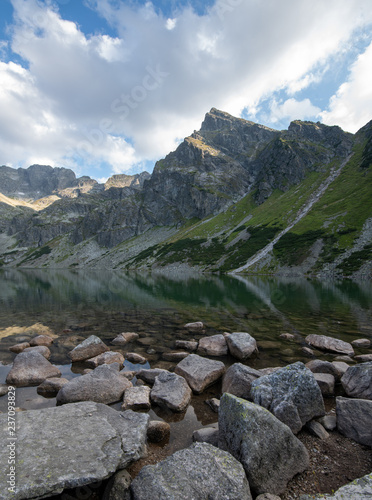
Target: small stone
[206,435]
[118,486]
[149,375]
[41,349]
[51,386]
[200,372]
[329,422]
[340,367]
[136,398]
[17,348]
[317,429]
[174,356]
[196,326]
[171,391]
[215,345]
[214,404]
[157,431]
[129,374]
[187,344]
[363,358]
[361,343]
[326,383]
[106,358]
[287,336]
[41,340]
[125,338]
[4,389]
[308,351]
[135,358]
[319,366]
[89,348]
[241,345]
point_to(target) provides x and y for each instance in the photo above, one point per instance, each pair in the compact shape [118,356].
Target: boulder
[271,455]
[325,343]
[360,489]
[187,344]
[125,338]
[17,348]
[42,349]
[51,386]
[195,473]
[241,345]
[149,375]
[200,372]
[41,340]
[135,358]
[291,394]
[102,385]
[171,390]
[326,383]
[157,431]
[78,444]
[238,380]
[215,345]
[106,358]
[354,419]
[30,368]
[196,326]
[361,343]
[357,381]
[89,348]
[329,422]
[206,435]
[137,398]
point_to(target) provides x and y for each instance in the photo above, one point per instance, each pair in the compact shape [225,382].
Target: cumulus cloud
[91,99]
[292,109]
[351,106]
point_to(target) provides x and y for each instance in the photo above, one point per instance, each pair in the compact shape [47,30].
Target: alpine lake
[71,305]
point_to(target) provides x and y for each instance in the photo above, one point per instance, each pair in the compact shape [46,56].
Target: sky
[111,86]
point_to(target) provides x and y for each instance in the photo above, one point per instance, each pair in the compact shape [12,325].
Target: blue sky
[111,86]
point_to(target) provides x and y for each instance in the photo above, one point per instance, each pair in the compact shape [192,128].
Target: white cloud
[129,98]
[351,106]
[293,110]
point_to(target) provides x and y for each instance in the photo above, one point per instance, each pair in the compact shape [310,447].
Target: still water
[71,305]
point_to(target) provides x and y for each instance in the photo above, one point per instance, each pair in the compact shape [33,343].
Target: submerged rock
[196,326]
[77,444]
[31,368]
[89,348]
[133,357]
[271,455]
[200,372]
[189,345]
[157,431]
[195,473]
[330,344]
[125,338]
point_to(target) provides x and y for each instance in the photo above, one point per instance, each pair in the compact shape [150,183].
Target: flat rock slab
[215,345]
[270,453]
[70,446]
[200,372]
[354,419]
[292,394]
[360,489]
[238,380]
[330,344]
[137,398]
[357,381]
[102,385]
[31,368]
[199,472]
[89,348]
[241,345]
[171,391]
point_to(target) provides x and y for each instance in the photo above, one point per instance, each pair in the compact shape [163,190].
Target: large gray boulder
[102,385]
[31,368]
[360,489]
[199,472]
[238,380]
[354,419]
[271,455]
[241,345]
[292,394]
[89,348]
[330,344]
[70,446]
[172,391]
[215,345]
[357,381]
[200,372]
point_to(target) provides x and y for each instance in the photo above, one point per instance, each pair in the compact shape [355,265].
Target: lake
[71,305]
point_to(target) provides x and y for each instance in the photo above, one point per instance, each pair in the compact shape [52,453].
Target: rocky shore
[270,420]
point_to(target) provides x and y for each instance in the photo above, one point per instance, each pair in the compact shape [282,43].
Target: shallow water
[71,305]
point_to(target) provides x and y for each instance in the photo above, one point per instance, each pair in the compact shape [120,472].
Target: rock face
[79,444]
[171,390]
[271,455]
[291,394]
[238,380]
[241,345]
[357,381]
[354,419]
[195,473]
[215,345]
[102,385]
[89,348]
[31,368]
[330,344]
[200,372]
[360,489]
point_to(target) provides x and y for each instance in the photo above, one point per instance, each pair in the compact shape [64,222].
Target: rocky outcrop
[269,452]
[78,444]
[195,473]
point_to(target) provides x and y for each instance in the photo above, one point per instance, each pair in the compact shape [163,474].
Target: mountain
[234,196]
